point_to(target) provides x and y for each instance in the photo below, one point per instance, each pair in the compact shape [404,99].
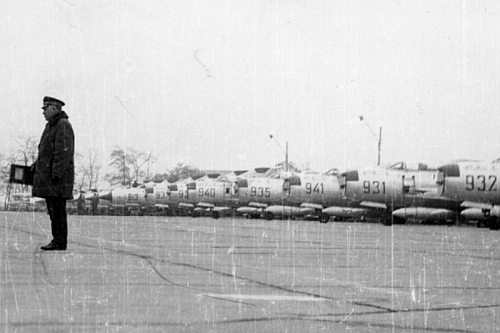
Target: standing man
[80,204]
[54,170]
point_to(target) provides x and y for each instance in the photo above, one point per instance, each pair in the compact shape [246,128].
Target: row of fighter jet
[458,190]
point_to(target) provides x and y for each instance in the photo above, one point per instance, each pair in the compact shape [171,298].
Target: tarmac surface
[181,274]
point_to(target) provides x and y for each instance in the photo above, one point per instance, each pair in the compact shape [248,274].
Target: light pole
[361,118]
[286,152]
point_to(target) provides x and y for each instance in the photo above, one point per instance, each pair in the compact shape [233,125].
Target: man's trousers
[56,208]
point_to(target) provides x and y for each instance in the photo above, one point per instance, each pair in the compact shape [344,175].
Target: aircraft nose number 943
[133,197]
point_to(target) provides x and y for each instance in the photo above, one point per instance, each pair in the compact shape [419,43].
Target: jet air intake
[448,170]
[351,176]
[242,183]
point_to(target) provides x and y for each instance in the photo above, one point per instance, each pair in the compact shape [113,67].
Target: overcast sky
[206,82]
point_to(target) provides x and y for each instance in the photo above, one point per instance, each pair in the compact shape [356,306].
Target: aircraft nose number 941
[318,188]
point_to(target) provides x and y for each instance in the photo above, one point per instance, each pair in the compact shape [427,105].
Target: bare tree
[183,171]
[120,161]
[138,160]
[27,149]
[149,163]
[131,165]
[3,173]
[292,167]
[7,160]
[94,170]
[80,174]
[88,172]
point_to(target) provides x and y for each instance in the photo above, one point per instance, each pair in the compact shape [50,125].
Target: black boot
[53,246]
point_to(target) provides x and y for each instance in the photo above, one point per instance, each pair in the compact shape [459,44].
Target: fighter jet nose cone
[107,196]
[401,213]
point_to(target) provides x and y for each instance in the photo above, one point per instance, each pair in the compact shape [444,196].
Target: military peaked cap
[51,101]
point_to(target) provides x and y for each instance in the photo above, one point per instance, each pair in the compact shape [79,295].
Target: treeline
[130,166]
[127,167]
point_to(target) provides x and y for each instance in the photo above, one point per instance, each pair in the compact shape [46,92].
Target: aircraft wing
[161,206]
[372,204]
[205,205]
[311,206]
[424,213]
[470,204]
[221,209]
[257,204]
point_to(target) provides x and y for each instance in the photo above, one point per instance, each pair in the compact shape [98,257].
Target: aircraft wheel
[324,218]
[398,220]
[494,223]
[194,214]
[269,216]
[215,215]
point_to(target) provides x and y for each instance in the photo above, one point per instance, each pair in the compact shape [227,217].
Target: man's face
[49,111]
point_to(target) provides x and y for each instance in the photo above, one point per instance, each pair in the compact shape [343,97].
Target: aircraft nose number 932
[480,183]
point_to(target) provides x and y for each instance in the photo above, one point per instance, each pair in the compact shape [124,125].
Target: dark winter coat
[54,169]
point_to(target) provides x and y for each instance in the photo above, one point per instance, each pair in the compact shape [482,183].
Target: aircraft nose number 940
[209,192]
